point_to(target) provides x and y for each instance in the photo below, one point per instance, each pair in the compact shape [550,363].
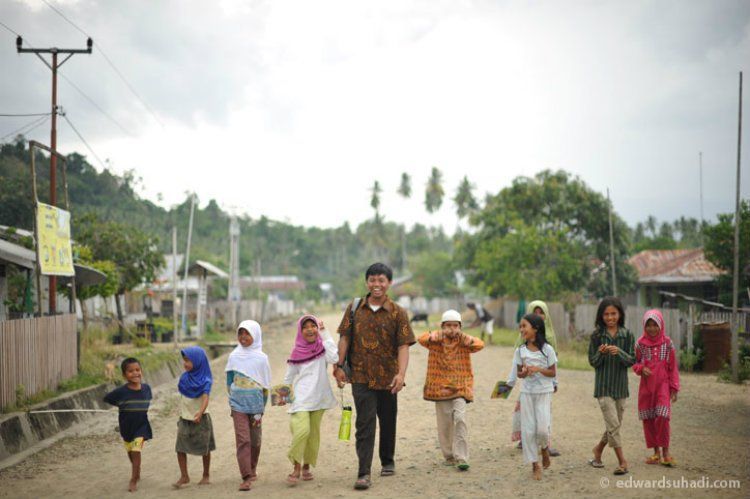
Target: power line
[23,115]
[84,141]
[27,127]
[109,61]
[77,88]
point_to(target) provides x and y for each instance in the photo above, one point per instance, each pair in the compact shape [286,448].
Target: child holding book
[450,384]
[311,390]
[536,364]
[132,399]
[248,381]
[611,353]
[195,433]
[655,363]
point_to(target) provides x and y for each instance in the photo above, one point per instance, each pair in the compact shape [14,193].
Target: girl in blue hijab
[195,433]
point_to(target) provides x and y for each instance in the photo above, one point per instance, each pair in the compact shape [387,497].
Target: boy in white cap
[450,384]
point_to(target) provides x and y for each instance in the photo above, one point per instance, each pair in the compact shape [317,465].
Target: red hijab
[660,338]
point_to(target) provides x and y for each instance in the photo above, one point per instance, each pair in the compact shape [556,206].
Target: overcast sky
[292,109]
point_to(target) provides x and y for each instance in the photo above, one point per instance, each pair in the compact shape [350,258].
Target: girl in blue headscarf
[195,433]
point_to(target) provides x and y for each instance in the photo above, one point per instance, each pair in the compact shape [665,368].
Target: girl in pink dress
[656,364]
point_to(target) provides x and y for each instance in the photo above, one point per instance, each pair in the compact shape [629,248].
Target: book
[281,395]
[501,391]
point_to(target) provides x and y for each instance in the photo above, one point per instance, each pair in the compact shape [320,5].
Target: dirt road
[710,427]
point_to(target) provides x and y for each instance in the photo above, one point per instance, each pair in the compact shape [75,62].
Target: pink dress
[654,392]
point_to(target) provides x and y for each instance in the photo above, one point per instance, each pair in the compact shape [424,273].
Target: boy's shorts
[135,445]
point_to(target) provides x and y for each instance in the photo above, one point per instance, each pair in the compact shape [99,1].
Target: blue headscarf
[198,381]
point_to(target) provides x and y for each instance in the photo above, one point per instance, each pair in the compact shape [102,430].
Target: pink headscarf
[660,338]
[304,351]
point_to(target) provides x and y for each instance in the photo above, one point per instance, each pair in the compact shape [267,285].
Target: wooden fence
[37,354]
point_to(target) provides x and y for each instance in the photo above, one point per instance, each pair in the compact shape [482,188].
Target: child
[132,400]
[450,384]
[611,353]
[248,381]
[539,308]
[195,433]
[660,381]
[536,364]
[313,348]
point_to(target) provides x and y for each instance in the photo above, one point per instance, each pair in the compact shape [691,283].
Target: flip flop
[653,459]
[669,462]
[621,471]
[363,483]
[595,463]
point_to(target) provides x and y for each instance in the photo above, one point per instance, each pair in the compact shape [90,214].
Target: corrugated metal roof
[674,266]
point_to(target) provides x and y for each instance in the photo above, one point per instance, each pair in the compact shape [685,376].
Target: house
[684,271]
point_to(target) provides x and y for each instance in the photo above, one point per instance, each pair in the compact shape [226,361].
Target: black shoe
[388,470]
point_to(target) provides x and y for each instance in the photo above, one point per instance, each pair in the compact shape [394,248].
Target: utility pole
[611,246]
[736,270]
[187,265]
[174,286]
[53,133]
[233,293]
[700,182]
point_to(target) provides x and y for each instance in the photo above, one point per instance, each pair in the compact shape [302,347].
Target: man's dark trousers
[371,404]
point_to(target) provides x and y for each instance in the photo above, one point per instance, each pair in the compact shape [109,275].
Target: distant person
[195,433]
[483,319]
[132,400]
[539,308]
[377,335]
[248,381]
[656,364]
[307,373]
[450,384]
[611,353]
[536,364]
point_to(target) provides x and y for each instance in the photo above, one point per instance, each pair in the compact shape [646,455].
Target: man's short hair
[127,362]
[379,269]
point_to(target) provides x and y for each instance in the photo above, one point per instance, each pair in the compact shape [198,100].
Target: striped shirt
[611,379]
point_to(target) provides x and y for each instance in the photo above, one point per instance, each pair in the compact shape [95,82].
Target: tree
[106,289]
[433,273]
[465,201]
[375,199]
[556,205]
[720,250]
[404,189]
[135,253]
[433,196]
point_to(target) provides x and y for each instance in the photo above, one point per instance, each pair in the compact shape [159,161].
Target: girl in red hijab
[660,381]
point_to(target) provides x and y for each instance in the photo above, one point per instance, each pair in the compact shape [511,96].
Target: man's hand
[198,416]
[340,376]
[397,384]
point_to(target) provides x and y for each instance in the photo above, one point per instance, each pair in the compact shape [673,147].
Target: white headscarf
[251,361]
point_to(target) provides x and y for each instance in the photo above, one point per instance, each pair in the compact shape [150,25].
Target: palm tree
[375,199]
[465,201]
[404,189]
[433,195]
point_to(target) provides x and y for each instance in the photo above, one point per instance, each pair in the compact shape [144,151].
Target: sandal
[596,464]
[245,486]
[669,462]
[621,470]
[363,483]
[653,459]
[388,470]
[307,476]
[292,480]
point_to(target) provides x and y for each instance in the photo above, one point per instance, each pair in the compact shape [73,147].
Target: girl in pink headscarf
[311,389]
[660,381]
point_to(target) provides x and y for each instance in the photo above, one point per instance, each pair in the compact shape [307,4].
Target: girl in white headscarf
[248,382]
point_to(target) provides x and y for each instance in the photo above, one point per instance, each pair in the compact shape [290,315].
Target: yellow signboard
[53,244]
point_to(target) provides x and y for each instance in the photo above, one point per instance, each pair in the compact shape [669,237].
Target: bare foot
[184,480]
[537,471]
[204,481]
[545,458]
[133,486]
